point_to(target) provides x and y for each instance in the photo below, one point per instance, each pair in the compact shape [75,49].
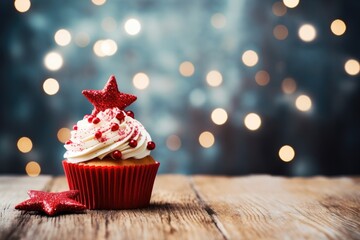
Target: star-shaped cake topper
[109,97]
[51,203]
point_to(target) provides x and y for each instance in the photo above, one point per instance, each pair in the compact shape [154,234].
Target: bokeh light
[219,116]
[141,81]
[252,121]
[338,27]
[307,32]
[173,142]
[352,67]
[288,85]
[132,26]
[51,86]
[214,78]
[53,61]
[62,37]
[291,3]
[33,169]
[206,139]
[280,32]
[24,144]
[286,153]
[279,9]
[186,69]
[63,135]
[250,58]
[303,103]
[218,20]
[107,47]
[98,2]
[109,24]
[82,39]
[22,5]
[262,78]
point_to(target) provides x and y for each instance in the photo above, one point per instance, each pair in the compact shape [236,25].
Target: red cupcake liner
[112,187]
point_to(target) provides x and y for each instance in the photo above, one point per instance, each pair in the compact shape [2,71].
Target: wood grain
[199,207]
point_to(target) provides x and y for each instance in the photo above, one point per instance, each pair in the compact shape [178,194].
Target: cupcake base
[112,187]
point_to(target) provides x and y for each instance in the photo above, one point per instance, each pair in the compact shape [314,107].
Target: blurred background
[224,86]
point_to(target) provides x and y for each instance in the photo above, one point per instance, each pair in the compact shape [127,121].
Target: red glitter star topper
[51,203]
[109,97]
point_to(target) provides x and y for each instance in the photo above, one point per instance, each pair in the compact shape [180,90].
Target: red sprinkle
[75,127]
[130,113]
[117,154]
[120,116]
[133,143]
[68,142]
[96,120]
[114,127]
[151,145]
[90,119]
[98,134]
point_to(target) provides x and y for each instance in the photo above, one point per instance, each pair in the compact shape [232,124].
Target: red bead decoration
[98,134]
[130,113]
[117,154]
[96,120]
[133,143]
[151,145]
[75,127]
[90,119]
[114,127]
[120,116]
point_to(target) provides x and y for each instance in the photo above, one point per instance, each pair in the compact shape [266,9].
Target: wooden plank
[13,190]
[175,213]
[264,207]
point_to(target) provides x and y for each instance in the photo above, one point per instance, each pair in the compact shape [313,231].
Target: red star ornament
[51,203]
[109,97]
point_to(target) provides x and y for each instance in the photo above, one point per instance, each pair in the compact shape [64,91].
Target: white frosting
[84,145]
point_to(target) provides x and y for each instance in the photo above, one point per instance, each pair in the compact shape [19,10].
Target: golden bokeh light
[250,58]
[218,20]
[22,5]
[214,78]
[280,32]
[98,2]
[24,144]
[141,81]
[62,37]
[186,69]
[352,67]
[82,39]
[219,116]
[64,134]
[107,47]
[279,9]
[206,139]
[307,33]
[32,169]
[303,103]
[291,3]
[262,78]
[51,86]
[338,27]
[286,153]
[252,121]
[53,61]
[173,142]
[288,86]
[132,26]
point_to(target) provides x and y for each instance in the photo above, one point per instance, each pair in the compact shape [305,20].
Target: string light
[338,27]
[98,2]
[303,103]
[62,37]
[22,5]
[32,169]
[288,85]
[279,9]
[141,81]
[286,153]
[352,67]
[250,58]
[218,20]
[206,139]
[24,144]
[280,32]
[262,78]
[132,26]
[291,3]
[307,33]
[53,61]
[214,78]
[63,134]
[219,116]
[173,142]
[252,121]
[51,86]
[186,69]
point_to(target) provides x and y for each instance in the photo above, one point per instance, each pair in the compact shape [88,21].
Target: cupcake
[108,155]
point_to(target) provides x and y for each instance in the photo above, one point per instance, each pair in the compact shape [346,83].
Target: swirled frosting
[109,133]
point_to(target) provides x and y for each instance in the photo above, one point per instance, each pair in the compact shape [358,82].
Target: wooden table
[199,207]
